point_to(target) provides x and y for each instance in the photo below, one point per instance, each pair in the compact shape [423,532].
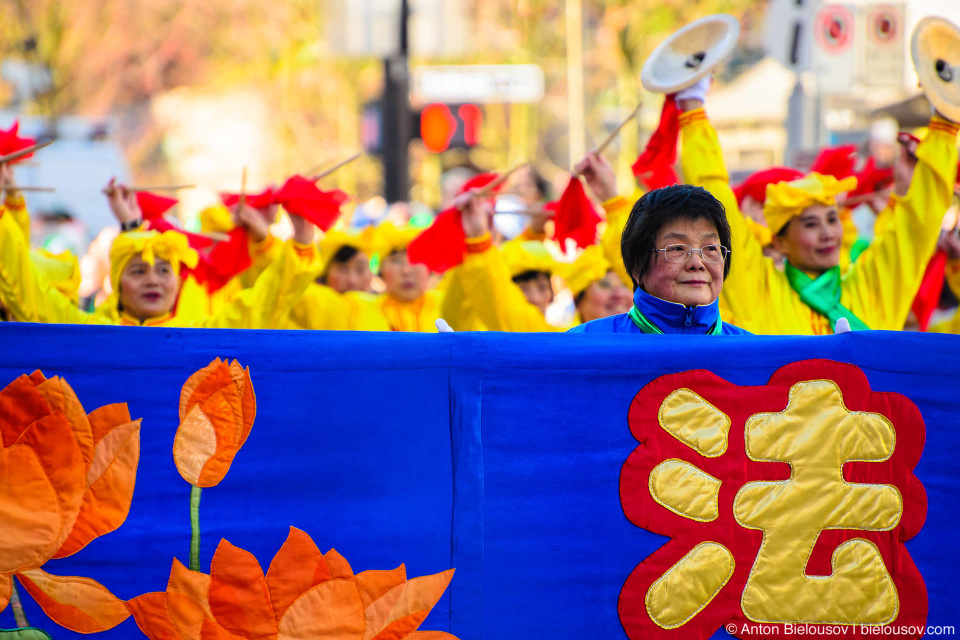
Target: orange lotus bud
[217,408]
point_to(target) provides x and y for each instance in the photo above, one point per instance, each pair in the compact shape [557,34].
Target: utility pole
[396,116]
[576,123]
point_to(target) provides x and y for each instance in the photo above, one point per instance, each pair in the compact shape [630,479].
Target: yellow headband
[591,266]
[334,240]
[388,238]
[787,200]
[149,245]
[61,271]
[522,256]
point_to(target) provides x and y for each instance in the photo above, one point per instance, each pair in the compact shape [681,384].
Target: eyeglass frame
[724,253]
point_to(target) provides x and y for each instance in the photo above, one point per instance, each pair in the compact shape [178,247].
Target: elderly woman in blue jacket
[675,246]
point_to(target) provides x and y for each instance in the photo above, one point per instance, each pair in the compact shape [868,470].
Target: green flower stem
[18,615]
[195,526]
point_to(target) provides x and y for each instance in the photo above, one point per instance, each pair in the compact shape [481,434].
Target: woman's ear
[780,243]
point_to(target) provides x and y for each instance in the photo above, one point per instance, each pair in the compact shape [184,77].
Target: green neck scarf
[644,324]
[823,295]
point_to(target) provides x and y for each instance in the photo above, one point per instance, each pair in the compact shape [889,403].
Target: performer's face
[605,297]
[538,291]
[812,240]
[352,275]
[404,281]
[691,282]
[148,291]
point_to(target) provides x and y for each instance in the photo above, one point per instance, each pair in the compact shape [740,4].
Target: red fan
[153,206]
[256,200]
[301,196]
[10,142]
[576,217]
[442,245]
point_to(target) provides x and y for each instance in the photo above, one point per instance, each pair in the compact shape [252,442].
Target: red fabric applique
[442,245]
[786,427]
[256,200]
[11,142]
[755,186]
[153,206]
[301,196]
[575,216]
[654,167]
[928,296]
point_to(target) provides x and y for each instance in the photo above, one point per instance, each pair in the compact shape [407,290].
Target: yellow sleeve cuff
[690,117]
[941,124]
[479,244]
[615,203]
[15,202]
[264,245]
[303,250]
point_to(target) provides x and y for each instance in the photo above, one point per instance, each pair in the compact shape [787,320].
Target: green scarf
[644,324]
[823,295]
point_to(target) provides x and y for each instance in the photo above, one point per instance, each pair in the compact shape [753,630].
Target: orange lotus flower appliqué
[305,594]
[217,408]
[66,477]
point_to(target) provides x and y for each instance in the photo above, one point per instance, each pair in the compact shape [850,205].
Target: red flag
[301,196]
[256,200]
[654,167]
[153,206]
[576,217]
[838,162]
[755,185]
[928,296]
[442,245]
[10,142]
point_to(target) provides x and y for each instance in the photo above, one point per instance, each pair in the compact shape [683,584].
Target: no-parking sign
[883,52]
[834,58]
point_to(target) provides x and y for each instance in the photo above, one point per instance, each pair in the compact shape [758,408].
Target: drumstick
[161,187]
[26,151]
[487,190]
[528,212]
[337,166]
[613,135]
[37,189]
[243,188]
[858,200]
[215,235]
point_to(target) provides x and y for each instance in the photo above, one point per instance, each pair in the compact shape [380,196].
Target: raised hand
[599,175]
[474,213]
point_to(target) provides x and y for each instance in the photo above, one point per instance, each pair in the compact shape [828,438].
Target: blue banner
[511,458]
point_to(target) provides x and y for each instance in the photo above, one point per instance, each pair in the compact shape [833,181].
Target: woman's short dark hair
[660,207]
[528,275]
[343,255]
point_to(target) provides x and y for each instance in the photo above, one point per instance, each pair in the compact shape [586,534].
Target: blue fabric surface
[669,317]
[497,454]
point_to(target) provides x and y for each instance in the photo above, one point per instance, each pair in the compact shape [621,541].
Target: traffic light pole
[396,116]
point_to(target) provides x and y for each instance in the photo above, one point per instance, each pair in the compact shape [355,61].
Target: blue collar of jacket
[672,317]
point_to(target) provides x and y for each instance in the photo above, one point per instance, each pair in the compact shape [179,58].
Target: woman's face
[404,281]
[604,298]
[812,240]
[538,291]
[352,275]
[689,281]
[148,291]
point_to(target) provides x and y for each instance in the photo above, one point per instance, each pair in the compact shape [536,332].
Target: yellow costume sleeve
[488,289]
[25,295]
[262,254]
[952,276]
[881,285]
[754,283]
[17,207]
[363,312]
[320,307]
[618,210]
[267,304]
[457,310]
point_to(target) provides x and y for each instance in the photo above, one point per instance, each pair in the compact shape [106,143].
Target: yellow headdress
[61,271]
[591,266]
[217,219]
[388,238]
[149,245]
[529,255]
[334,240]
[787,200]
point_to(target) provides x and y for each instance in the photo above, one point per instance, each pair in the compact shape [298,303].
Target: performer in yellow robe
[876,292]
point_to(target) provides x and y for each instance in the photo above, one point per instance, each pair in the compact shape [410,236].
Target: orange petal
[192,584]
[151,615]
[79,604]
[417,595]
[37,377]
[60,396]
[194,444]
[111,478]
[431,635]
[105,418]
[375,584]
[6,589]
[238,593]
[224,411]
[403,627]
[29,511]
[20,406]
[202,384]
[339,567]
[210,630]
[296,567]
[332,610]
[249,404]
[186,615]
